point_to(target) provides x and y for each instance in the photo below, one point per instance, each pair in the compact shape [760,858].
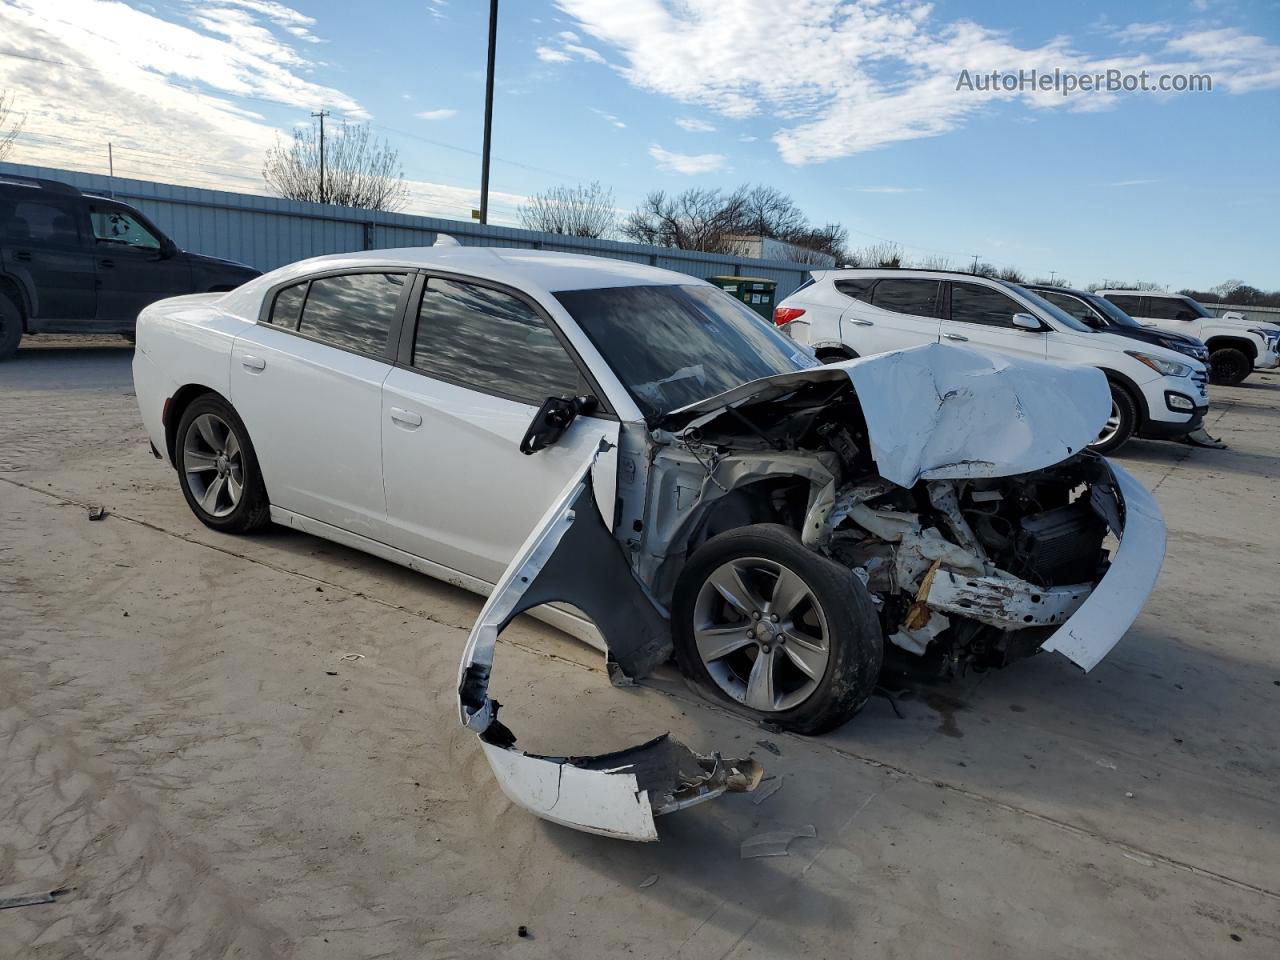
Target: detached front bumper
[1119,597]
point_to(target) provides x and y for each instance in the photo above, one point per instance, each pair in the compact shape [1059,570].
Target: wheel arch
[176,406]
[1226,341]
[18,294]
[1117,379]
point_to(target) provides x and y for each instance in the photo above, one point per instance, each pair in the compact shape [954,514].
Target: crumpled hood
[939,412]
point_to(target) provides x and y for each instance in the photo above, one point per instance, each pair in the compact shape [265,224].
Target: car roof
[838,272]
[1144,293]
[1070,291]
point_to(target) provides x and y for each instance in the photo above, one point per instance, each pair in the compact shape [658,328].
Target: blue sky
[849,107]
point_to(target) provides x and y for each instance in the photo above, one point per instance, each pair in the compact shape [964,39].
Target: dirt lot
[183,747]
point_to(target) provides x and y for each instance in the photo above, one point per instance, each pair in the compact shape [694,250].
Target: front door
[48,249]
[308,385]
[981,316]
[135,268]
[481,362]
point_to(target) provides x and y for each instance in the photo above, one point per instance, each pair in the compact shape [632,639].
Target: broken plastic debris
[351,657]
[770,746]
[767,790]
[774,843]
[31,900]
[649,881]
[97,513]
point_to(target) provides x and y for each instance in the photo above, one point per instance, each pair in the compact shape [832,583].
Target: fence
[1261,314]
[268,232]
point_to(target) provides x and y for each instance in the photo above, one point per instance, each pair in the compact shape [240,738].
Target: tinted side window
[37,222]
[859,289]
[973,303]
[1126,303]
[490,341]
[916,297]
[288,306]
[1167,308]
[353,311]
[1073,306]
[114,225]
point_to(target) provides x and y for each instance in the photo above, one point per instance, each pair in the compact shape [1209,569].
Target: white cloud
[552,56]
[694,125]
[687,163]
[610,117]
[747,138]
[1130,183]
[442,114]
[568,49]
[888,189]
[1136,32]
[856,76]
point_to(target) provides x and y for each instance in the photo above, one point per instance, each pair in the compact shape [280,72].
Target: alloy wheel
[761,634]
[213,463]
[1111,427]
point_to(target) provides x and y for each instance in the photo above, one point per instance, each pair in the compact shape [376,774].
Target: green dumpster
[755,292]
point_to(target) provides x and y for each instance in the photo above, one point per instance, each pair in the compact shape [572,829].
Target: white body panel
[1232,325]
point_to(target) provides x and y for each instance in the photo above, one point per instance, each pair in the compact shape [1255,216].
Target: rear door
[134,267]
[47,249]
[477,362]
[307,381]
[896,312]
[982,316]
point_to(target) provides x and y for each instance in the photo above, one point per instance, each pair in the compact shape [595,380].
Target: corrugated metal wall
[268,232]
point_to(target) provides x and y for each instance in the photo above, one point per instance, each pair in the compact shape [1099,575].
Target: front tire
[217,468]
[1120,425]
[764,622]
[10,327]
[1229,366]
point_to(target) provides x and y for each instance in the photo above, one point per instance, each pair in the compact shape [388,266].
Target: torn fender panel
[938,412]
[1116,601]
[571,557]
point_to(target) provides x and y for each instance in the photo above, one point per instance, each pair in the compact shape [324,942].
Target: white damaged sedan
[656,469]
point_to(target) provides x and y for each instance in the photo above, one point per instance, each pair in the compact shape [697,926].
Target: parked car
[1155,392]
[1099,313]
[544,427]
[1237,345]
[72,262]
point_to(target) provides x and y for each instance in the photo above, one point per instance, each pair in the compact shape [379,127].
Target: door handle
[253,363]
[23,255]
[862,323]
[955,336]
[406,417]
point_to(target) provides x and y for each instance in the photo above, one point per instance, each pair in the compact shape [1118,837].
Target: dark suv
[1101,314]
[77,263]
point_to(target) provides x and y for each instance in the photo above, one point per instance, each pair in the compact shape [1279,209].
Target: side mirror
[552,420]
[1025,321]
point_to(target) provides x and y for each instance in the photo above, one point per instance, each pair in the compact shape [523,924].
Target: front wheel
[1120,424]
[1229,366]
[10,327]
[764,622]
[217,468]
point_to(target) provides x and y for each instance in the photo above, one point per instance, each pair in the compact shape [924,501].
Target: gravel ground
[183,747]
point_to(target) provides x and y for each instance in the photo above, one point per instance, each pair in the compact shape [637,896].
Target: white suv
[1237,345]
[1156,393]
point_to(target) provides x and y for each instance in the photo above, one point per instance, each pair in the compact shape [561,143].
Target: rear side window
[353,311]
[916,297]
[1074,306]
[1170,308]
[1126,303]
[36,222]
[974,303]
[287,309]
[859,289]
[491,341]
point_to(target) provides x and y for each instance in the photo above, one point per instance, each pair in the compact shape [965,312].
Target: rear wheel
[835,355]
[764,622]
[1229,366]
[217,468]
[1120,424]
[10,327]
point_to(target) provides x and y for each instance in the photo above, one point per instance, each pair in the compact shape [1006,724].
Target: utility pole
[488,111]
[111,162]
[1052,274]
[975,264]
[322,114]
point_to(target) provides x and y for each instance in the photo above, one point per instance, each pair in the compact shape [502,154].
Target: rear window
[36,222]
[916,297]
[858,288]
[1128,304]
[353,311]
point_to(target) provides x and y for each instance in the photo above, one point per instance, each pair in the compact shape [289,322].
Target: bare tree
[768,212]
[817,244]
[933,261]
[1012,274]
[697,219]
[581,211]
[886,256]
[984,269]
[9,128]
[358,170]
[1226,290]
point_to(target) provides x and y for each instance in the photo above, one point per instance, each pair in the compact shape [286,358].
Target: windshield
[674,345]
[1113,313]
[1064,318]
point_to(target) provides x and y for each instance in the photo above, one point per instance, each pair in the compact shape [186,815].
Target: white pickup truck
[1237,345]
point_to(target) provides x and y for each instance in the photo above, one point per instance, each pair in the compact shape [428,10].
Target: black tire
[252,510]
[1125,409]
[10,327]
[1229,366]
[855,643]
[835,355]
